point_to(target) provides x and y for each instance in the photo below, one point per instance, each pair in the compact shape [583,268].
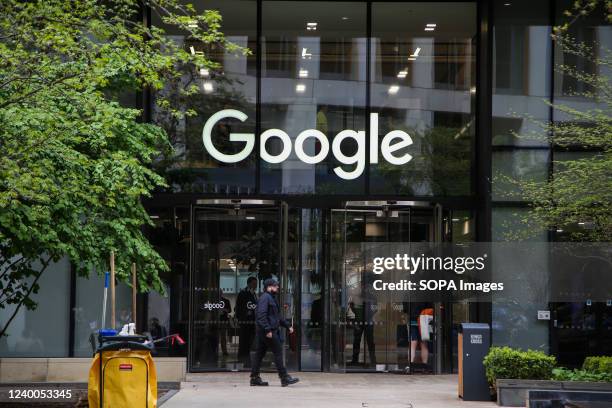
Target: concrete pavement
[321,390]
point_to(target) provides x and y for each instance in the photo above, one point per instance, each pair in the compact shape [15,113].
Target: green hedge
[598,365]
[564,374]
[505,362]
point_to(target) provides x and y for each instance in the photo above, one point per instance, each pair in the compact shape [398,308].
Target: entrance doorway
[237,244]
[372,334]
[319,257]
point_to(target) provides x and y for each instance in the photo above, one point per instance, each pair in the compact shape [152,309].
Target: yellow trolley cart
[122,374]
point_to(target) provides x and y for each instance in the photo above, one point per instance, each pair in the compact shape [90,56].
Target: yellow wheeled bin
[122,374]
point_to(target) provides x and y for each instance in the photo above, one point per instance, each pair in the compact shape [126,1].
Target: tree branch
[46,264]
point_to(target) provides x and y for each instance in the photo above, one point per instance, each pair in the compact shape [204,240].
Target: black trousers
[369,338]
[246,335]
[263,345]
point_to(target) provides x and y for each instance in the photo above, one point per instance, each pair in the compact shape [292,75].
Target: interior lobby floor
[322,390]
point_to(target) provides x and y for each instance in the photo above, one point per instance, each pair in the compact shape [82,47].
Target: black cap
[270,282]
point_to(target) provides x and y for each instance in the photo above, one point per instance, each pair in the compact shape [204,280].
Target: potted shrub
[513,373]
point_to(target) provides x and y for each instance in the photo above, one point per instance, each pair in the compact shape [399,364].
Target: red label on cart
[125,367]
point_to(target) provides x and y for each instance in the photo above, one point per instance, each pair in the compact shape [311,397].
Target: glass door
[369,332]
[236,246]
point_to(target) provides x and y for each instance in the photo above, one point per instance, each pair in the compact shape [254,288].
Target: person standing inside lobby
[267,335]
[245,314]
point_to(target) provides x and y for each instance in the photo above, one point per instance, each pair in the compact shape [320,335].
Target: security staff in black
[268,321]
[246,303]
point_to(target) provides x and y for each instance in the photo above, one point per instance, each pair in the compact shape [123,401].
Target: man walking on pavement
[267,322]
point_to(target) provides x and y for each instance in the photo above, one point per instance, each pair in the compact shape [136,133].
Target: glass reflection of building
[458,77]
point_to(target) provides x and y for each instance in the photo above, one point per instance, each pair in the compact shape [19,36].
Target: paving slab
[322,390]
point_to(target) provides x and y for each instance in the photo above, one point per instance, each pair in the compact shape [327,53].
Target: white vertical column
[538,68]
[301,114]
[236,63]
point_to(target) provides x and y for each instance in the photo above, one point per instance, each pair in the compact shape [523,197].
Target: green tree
[578,196]
[75,158]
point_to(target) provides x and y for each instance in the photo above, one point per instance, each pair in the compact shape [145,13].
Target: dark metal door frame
[220,204]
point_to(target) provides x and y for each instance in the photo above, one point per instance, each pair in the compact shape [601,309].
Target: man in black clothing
[245,314]
[267,333]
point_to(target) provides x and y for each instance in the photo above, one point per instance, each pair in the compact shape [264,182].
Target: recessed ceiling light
[416,52]
[393,89]
[345,18]
[300,88]
[306,54]
[311,26]
[250,217]
[208,87]
[507,4]
[303,73]
[429,28]
[431,25]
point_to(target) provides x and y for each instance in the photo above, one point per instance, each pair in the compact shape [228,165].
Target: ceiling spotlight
[311,26]
[393,89]
[303,73]
[416,52]
[402,74]
[306,54]
[208,87]
[300,88]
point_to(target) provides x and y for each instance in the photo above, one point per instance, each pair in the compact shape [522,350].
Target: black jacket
[246,305]
[268,314]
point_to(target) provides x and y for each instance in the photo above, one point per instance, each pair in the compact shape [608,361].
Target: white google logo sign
[391,143]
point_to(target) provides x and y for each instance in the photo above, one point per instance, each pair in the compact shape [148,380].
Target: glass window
[513,311]
[521,71]
[42,332]
[423,83]
[232,86]
[88,310]
[313,77]
[169,314]
[592,31]
[312,275]
[507,225]
[519,165]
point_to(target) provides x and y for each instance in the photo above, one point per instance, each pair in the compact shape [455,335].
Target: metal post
[112,286]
